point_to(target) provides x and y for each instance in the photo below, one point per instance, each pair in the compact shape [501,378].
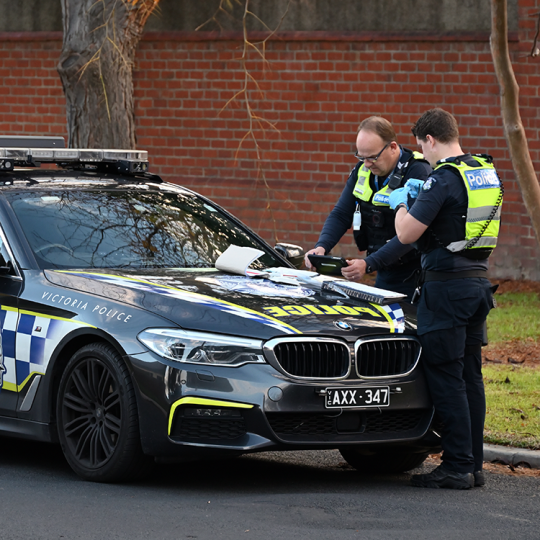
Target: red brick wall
[316,89]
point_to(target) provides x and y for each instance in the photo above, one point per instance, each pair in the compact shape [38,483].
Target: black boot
[443,478]
[479,479]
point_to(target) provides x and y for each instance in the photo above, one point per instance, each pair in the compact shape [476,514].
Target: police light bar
[25,141]
[129,161]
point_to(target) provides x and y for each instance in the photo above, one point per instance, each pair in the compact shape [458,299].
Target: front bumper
[197,409]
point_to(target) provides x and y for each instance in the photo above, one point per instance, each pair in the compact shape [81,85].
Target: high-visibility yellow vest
[484,193]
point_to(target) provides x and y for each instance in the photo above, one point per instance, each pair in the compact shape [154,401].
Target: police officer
[383,166]
[454,221]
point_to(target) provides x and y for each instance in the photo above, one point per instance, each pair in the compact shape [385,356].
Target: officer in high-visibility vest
[453,218]
[383,166]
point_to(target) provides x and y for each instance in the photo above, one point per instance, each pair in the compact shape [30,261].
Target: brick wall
[316,89]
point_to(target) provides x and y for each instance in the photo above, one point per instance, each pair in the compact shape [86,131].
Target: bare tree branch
[513,127]
[251,85]
[220,9]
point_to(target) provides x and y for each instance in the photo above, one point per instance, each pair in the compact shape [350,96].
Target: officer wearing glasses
[383,166]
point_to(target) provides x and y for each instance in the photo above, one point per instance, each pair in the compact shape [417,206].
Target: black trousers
[451,316]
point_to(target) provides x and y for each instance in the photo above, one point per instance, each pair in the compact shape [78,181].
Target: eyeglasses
[374,158]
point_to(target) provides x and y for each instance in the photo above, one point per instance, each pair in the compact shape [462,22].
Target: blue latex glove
[414,186]
[398,196]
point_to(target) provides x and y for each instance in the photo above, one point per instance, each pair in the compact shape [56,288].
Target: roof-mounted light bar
[25,141]
[126,161]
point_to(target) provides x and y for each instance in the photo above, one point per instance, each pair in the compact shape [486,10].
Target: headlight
[202,348]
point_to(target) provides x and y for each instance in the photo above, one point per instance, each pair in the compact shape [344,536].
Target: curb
[512,456]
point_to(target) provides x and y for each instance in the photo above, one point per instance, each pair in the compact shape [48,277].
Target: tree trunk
[96,69]
[513,127]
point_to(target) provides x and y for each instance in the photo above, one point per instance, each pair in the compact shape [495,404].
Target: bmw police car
[123,342]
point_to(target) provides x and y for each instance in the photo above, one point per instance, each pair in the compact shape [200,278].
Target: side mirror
[294,254]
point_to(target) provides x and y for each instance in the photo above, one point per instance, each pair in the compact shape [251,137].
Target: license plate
[357,397]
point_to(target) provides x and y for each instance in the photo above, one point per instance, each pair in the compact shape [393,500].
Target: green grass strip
[517,317]
[513,406]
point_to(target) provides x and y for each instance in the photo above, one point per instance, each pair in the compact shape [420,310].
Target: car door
[10,288]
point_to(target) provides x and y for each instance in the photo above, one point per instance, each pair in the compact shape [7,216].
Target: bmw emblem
[342,325]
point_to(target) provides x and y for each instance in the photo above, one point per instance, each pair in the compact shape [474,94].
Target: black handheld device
[326,264]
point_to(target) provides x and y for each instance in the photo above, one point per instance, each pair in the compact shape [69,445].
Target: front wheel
[383,461]
[97,417]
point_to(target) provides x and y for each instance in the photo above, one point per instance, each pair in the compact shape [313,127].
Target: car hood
[213,301]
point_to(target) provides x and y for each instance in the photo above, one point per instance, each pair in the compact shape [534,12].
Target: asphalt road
[299,495]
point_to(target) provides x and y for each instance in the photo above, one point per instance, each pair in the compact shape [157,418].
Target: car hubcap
[91,413]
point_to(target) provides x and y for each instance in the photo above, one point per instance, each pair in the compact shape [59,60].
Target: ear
[432,142]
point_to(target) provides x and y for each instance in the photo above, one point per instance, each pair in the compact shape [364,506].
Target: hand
[397,197]
[315,251]
[355,271]
[414,186]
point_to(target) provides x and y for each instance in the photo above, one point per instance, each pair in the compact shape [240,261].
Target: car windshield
[127,229]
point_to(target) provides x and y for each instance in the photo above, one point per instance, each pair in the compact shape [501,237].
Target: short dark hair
[438,123]
[380,126]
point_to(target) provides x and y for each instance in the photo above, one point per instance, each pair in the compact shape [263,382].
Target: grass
[516,318]
[513,392]
[513,406]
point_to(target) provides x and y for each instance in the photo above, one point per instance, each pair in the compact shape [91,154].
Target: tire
[97,418]
[384,461]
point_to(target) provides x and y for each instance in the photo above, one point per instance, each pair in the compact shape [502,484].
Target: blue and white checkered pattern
[397,316]
[28,341]
[8,324]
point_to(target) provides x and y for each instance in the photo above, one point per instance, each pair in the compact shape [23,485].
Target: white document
[236,259]
[287,276]
[290,272]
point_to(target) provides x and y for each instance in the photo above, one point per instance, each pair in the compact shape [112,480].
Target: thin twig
[94,58]
[220,9]
[251,84]
[535,51]
[104,93]
[127,64]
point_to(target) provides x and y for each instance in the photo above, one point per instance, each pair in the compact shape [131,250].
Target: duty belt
[428,275]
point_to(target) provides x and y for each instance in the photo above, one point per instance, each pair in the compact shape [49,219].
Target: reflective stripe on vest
[483,192]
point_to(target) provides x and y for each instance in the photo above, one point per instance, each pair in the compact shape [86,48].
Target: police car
[123,342]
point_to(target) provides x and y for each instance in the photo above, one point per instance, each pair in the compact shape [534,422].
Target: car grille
[208,428]
[393,421]
[385,422]
[313,359]
[386,357]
